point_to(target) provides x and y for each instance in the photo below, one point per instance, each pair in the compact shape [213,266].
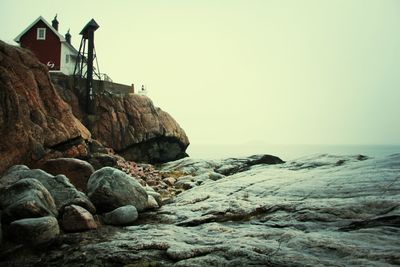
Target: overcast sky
[231,72]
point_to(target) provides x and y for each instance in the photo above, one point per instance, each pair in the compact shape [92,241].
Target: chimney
[54,23]
[68,37]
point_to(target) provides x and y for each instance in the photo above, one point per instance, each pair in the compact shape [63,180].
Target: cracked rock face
[34,121]
[138,130]
[130,124]
[307,212]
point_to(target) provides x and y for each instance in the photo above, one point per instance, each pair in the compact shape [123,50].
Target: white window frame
[38,34]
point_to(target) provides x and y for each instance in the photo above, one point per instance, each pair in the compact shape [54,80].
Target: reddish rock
[78,171]
[138,130]
[76,219]
[129,124]
[34,120]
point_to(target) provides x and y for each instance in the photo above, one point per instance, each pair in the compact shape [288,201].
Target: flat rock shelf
[321,210]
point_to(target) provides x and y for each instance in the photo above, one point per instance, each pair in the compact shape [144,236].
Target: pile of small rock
[36,206]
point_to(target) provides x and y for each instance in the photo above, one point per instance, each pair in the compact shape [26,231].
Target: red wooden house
[52,49]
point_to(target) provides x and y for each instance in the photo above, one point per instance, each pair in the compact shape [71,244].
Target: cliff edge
[42,117]
[128,123]
[34,120]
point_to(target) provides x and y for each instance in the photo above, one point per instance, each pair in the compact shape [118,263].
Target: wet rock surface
[307,212]
[35,231]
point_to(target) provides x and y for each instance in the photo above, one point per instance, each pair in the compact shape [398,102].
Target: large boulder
[110,188]
[63,192]
[76,219]
[34,231]
[121,216]
[26,198]
[138,130]
[78,171]
[35,122]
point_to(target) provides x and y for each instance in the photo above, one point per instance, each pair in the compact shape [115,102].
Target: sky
[255,71]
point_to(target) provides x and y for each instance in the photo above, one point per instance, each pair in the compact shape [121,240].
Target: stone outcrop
[110,188]
[35,122]
[307,212]
[138,130]
[130,124]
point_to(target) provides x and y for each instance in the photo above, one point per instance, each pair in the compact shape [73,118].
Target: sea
[288,152]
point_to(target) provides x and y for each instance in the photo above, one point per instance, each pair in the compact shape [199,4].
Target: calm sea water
[288,152]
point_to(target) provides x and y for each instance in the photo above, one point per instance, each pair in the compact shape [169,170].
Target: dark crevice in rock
[63,146]
[235,165]
[231,216]
[155,150]
[391,221]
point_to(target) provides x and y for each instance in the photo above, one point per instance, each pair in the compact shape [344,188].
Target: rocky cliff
[39,120]
[34,120]
[130,124]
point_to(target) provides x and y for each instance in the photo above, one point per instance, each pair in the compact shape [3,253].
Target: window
[41,34]
[66,58]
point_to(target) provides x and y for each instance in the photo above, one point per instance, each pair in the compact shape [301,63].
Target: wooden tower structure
[84,65]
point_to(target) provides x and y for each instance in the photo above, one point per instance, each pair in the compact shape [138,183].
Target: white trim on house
[62,39]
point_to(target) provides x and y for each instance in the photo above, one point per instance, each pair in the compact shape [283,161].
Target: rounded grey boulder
[35,231]
[121,216]
[110,188]
[26,198]
[59,186]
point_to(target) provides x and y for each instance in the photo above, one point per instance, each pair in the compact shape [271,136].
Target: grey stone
[185,184]
[26,198]
[152,203]
[34,231]
[110,188]
[121,216]
[8,179]
[63,192]
[156,196]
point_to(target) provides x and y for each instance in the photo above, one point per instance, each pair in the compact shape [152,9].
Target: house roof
[62,39]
